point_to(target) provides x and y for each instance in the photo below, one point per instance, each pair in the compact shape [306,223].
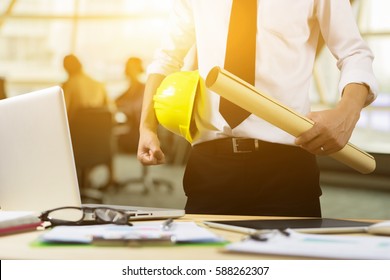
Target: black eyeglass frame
[45,217]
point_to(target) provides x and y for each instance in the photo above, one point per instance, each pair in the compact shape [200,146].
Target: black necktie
[240,54]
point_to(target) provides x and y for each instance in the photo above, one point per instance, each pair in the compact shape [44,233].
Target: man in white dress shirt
[277,174]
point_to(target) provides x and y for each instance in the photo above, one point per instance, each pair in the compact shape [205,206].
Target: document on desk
[182,232]
[18,221]
[316,245]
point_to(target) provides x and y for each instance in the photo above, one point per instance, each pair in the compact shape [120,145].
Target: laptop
[37,167]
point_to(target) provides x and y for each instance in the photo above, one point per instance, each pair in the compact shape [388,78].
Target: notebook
[37,168]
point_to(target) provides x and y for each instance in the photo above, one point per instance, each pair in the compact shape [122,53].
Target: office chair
[92,139]
[146,182]
[3,94]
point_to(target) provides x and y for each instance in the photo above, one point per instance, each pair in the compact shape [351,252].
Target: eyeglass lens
[79,216]
[67,214]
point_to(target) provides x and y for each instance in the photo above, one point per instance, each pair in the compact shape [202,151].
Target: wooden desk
[21,246]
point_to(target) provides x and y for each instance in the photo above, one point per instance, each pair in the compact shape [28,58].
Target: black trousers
[267,179]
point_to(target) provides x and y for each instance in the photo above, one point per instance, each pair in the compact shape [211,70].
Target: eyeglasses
[85,216]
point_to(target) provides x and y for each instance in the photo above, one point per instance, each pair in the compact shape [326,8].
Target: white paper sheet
[183,231]
[318,246]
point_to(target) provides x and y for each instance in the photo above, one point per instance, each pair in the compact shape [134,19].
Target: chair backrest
[91,131]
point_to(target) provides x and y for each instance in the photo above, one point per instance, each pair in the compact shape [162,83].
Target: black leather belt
[236,145]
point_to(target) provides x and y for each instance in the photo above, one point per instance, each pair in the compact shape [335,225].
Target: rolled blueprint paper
[251,99]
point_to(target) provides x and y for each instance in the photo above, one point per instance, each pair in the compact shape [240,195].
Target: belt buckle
[236,145]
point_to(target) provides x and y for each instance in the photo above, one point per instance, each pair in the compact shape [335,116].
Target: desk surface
[21,246]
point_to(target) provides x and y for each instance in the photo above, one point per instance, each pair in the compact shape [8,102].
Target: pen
[134,241]
[167,224]
[265,235]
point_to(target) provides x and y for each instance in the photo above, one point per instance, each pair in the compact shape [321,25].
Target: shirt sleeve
[342,36]
[179,39]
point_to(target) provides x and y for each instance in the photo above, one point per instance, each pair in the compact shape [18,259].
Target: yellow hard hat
[176,101]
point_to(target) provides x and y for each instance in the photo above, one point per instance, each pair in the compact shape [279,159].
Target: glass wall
[36,34]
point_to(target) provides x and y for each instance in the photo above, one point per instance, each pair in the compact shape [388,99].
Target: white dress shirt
[287,36]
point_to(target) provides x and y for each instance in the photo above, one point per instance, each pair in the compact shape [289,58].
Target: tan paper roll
[251,99]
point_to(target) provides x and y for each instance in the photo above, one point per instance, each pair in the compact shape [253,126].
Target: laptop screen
[37,170]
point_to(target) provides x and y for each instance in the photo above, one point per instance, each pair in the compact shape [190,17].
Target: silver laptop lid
[37,170]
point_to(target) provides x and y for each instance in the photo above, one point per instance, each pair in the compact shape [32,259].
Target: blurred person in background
[80,89]
[90,120]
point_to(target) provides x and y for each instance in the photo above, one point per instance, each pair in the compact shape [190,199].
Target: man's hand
[149,151]
[333,128]
[331,131]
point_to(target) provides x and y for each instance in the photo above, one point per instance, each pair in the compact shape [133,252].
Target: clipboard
[310,225]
